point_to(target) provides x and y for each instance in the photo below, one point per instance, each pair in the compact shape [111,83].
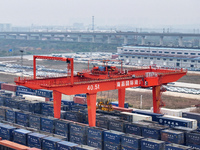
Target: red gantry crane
[98,79]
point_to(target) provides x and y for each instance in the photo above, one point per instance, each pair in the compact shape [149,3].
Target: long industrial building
[163,57]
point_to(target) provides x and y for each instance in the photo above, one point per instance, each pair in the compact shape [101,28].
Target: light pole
[22,60]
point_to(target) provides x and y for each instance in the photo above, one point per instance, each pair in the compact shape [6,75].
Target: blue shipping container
[3,112]
[113,136]
[73,116]
[132,141]
[48,124]
[97,143]
[11,115]
[34,121]
[22,118]
[194,147]
[44,93]
[25,89]
[172,136]
[133,128]
[176,147]
[35,140]
[84,147]
[152,144]
[96,133]
[50,143]
[117,125]
[111,146]
[78,129]
[65,145]
[193,138]
[78,139]
[62,127]
[6,132]
[20,136]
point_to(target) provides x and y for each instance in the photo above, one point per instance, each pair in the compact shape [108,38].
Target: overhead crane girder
[92,83]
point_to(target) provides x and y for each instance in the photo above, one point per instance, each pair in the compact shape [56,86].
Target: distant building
[5,27]
[163,57]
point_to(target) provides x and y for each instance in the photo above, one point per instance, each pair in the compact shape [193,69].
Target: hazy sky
[147,13]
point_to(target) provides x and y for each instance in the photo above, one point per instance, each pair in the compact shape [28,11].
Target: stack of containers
[22,118]
[152,144]
[112,140]
[62,127]
[153,131]
[48,124]
[129,141]
[35,140]
[172,136]
[20,136]
[176,147]
[95,137]
[117,125]
[6,132]
[31,106]
[193,139]
[78,133]
[191,115]
[35,121]
[46,108]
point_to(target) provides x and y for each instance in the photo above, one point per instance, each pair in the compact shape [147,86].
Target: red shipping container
[33,149]
[9,87]
[80,100]
[122,109]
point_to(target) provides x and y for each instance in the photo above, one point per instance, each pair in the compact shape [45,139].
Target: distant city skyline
[136,13]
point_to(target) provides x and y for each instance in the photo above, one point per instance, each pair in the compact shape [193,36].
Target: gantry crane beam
[91,84]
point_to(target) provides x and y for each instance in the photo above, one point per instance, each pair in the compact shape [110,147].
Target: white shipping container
[138,117]
[31,98]
[194,121]
[170,112]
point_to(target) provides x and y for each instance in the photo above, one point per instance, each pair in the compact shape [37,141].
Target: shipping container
[102,122]
[44,93]
[174,122]
[67,102]
[35,140]
[3,112]
[170,112]
[96,133]
[48,124]
[11,115]
[117,125]
[22,118]
[30,106]
[128,148]
[20,136]
[112,146]
[25,89]
[153,131]
[192,115]
[50,143]
[80,100]
[172,136]
[137,117]
[9,87]
[131,141]
[81,95]
[22,93]
[79,139]
[73,116]
[6,132]
[176,147]
[193,138]
[152,144]
[62,127]
[35,121]
[133,128]
[78,129]
[85,147]
[65,145]
[113,136]
[153,115]
[97,143]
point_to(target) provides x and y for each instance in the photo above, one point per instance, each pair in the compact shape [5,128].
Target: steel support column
[161,40]
[121,97]
[156,99]
[143,40]
[57,103]
[180,41]
[91,104]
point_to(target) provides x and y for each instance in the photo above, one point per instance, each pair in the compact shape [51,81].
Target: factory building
[163,57]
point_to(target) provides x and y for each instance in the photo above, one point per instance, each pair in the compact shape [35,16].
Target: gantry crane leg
[156,98]
[121,97]
[57,103]
[91,104]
